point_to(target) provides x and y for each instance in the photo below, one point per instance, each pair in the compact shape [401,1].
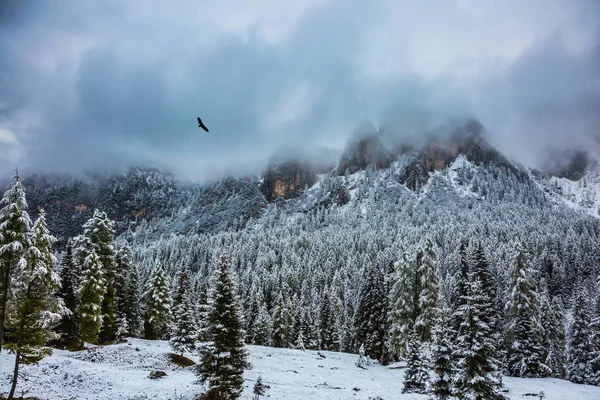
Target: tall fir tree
[554,335]
[15,240]
[428,298]
[462,283]
[90,294]
[580,339]
[281,327]
[184,331]
[133,310]
[328,336]
[121,284]
[157,316]
[69,276]
[223,358]
[263,327]
[202,309]
[524,332]
[480,270]
[478,375]
[370,318]
[256,299]
[37,307]
[442,360]
[402,307]
[416,376]
[101,234]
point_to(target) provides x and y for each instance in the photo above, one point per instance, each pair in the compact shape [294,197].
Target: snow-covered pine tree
[480,270]
[184,331]
[402,309]
[15,239]
[223,358]
[101,234]
[37,308]
[157,316]
[370,317]
[416,376]
[462,282]
[202,309]
[69,277]
[524,332]
[253,309]
[554,335]
[121,283]
[428,297]
[477,374]
[579,368]
[442,360]
[134,321]
[263,327]
[281,327]
[90,298]
[328,337]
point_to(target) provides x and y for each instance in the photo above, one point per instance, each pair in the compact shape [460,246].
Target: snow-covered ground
[121,372]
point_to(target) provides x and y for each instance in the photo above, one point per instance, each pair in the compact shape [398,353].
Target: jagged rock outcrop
[414,175]
[359,154]
[438,154]
[287,180]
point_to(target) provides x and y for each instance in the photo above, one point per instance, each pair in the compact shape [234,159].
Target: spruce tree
[402,309]
[478,370]
[428,297]
[252,314]
[90,295]
[416,376]
[462,283]
[281,327]
[133,310]
[121,284]
[101,234]
[524,336]
[15,240]
[480,270]
[370,318]
[69,276]
[184,330]
[202,315]
[328,337]
[442,360]
[554,335]
[580,340]
[157,317]
[223,358]
[37,308]
[263,327]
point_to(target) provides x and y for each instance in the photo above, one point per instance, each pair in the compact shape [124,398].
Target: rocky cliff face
[287,180]
[358,155]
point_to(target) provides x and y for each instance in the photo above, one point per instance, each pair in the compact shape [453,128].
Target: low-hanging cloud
[114,84]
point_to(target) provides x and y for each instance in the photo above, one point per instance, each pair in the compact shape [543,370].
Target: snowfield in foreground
[121,372]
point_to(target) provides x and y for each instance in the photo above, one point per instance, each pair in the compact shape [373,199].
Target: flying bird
[201,125]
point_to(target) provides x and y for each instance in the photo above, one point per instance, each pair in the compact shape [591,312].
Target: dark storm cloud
[115,84]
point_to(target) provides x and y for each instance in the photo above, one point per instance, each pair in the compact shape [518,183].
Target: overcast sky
[86,84]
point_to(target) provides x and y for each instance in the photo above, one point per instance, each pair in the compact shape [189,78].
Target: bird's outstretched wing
[201,125]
